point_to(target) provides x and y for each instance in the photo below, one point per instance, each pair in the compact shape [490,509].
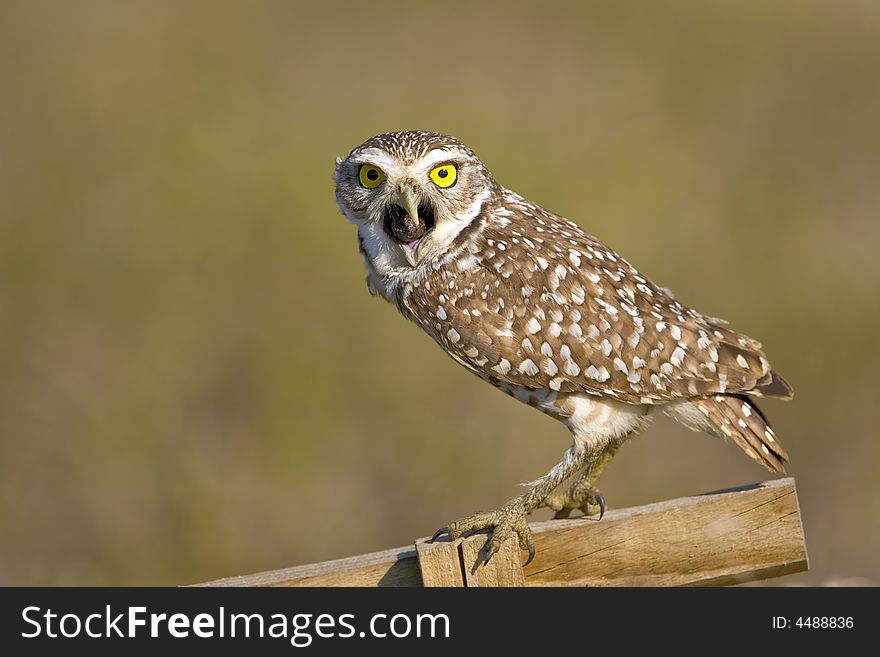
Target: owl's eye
[444,175]
[370,176]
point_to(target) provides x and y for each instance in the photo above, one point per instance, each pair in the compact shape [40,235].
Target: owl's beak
[410,202]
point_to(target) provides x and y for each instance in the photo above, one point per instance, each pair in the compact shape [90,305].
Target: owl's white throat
[390,262]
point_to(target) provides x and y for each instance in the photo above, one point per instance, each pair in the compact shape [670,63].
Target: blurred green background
[194,381]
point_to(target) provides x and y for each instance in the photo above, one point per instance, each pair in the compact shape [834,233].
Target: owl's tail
[738,419]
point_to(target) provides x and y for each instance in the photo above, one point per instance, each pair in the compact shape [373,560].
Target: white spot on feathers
[503,367]
[528,367]
[677,357]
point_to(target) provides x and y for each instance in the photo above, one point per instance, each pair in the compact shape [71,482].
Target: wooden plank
[440,563]
[395,567]
[720,538]
[726,537]
[504,569]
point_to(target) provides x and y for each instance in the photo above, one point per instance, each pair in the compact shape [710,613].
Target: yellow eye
[370,176]
[444,175]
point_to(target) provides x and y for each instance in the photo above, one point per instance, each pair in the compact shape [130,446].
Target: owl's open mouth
[402,228]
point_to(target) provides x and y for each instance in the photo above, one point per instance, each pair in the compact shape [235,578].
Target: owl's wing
[549,306]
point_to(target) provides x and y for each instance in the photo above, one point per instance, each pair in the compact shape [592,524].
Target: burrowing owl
[532,304]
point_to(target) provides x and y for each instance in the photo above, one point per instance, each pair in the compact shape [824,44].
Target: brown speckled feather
[544,305]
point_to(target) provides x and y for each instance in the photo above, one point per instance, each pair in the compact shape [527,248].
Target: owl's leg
[511,518]
[582,492]
[598,426]
[622,423]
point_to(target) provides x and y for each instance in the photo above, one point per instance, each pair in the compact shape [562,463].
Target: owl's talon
[601,500]
[590,501]
[437,534]
[486,553]
[531,554]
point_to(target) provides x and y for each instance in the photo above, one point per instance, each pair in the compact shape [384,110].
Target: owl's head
[410,193]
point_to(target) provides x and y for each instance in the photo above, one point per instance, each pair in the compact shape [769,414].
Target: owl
[535,306]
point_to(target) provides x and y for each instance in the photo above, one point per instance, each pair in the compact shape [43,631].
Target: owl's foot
[503,523]
[587,499]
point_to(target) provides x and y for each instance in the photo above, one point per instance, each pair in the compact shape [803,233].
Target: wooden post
[504,569]
[440,563]
[451,563]
[726,537]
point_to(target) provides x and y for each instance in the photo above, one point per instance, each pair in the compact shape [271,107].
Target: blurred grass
[194,381]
